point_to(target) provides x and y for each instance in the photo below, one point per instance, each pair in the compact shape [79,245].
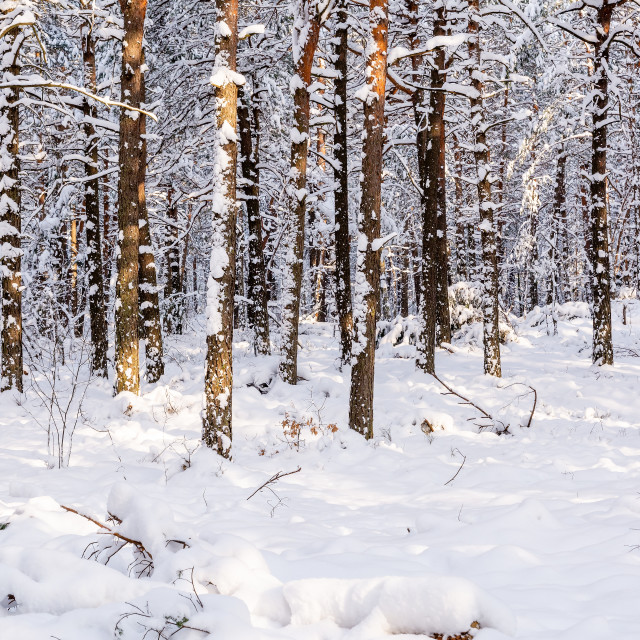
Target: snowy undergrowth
[532,539]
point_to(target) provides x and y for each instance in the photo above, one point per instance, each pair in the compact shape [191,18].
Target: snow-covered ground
[534,537]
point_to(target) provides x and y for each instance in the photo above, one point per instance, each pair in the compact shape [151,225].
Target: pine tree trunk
[367,286]
[258,310]
[306,30]
[341,194]
[97,307]
[12,365]
[436,145]
[173,286]
[217,431]
[130,159]
[602,342]
[560,219]
[427,169]
[150,322]
[486,206]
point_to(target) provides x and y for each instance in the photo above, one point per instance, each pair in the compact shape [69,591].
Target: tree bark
[436,146]
[341,194]
[11,257]
[258,310]
[217,430]
[602,340]
[150,322]
[367,286]
[130,160]
[173,286]
[97,307]
[306,30]
[492,365]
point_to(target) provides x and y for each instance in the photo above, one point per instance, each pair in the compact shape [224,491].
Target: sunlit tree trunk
[367,286]
[218,385]
[130,159]
[306,29]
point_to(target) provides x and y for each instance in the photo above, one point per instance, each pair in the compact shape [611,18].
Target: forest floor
[534,537]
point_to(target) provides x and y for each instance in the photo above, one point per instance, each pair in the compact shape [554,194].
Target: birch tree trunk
[489,269]
[306,30]
[367,286]
[97,307]
[218,384]
[130,159]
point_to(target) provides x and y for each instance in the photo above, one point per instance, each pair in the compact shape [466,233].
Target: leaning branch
[273,479]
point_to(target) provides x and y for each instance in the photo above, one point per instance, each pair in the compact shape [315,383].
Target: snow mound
[398,605]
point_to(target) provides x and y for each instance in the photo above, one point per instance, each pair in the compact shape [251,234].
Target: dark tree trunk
[257,310]
[602,341]
[97,306]
[436,146]
[341,194]
[12,365]
[367,287]
[173,287]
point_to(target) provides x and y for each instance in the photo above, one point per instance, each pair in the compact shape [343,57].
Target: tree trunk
[173,287]
[428,169]
[602,342]
[436,146]
[560,219]
[485,204]
[341,194]
[130,159]
[367,286]
[217,432]
[97,306]
[257,310]
[306,30]
[12,365]
[150,322]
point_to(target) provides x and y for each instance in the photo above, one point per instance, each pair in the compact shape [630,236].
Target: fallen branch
[484,413]
[273,479]
[136,543]
[464,459]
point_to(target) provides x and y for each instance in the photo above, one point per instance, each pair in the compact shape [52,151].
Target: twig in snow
[136,543]
[464,459]
[273,479]
[535,400]
[484,413]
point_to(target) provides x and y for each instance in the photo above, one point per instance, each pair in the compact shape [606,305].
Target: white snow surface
[535,538]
